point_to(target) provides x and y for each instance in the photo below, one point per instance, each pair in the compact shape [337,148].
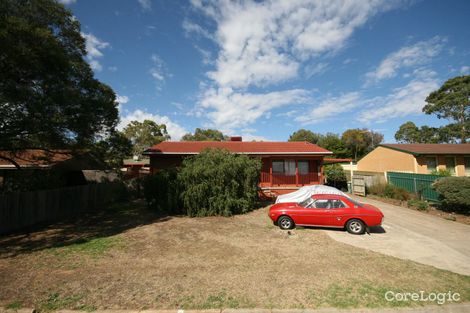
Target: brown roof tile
[430,148]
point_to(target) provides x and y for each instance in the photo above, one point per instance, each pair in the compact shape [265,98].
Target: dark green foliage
[113,149]
[333,143]
[305,135]
[441,172]
[145,134]
[48,95]
[217,182]
[410,133]
[394,192]
[420,205]
[335,176]
[30,180]
[162,191]
[205,135]
[454,193]
[452,102]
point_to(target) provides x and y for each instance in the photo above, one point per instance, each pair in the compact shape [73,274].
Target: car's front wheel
[285,222]
[356,227]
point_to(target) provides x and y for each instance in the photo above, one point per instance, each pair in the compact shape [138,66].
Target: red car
[327,210]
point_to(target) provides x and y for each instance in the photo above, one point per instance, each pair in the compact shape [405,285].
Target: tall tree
[48,95]
[305,135]
[113,149]
[145,134]
[410,133]
[205,135]
[333,143]
[452,102]
[361,141]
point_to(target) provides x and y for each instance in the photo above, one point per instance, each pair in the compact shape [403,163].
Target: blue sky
[265,69]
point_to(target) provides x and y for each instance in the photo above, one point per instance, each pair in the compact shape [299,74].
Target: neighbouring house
[62,166]
[136,167]
[286,166]
[418,158]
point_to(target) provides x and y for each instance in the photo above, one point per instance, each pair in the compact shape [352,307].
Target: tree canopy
[145,134]
[452,101]
[305,135]
[410,133]
[201,134]
[48,95]
[361,141]
[333,143]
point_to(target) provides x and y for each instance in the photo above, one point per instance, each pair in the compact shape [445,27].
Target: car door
[337,213]
[317,213]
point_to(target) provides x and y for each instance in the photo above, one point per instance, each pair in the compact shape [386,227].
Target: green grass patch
[94,247]
[15,305]
[54,301]
[220,300]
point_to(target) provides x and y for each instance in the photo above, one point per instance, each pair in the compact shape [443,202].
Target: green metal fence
[416,183]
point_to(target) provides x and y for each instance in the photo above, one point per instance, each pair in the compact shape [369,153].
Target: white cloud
[234,109]
[266,43]
[67,2]
[122,99]
[145,4]
[403,101]
[465,70]
[191,27]
[330,108]
[174,129]
[158,70]
[315,69]
[94,47]
[408,56]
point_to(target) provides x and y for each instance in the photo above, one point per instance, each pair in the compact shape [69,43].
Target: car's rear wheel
[285,222]
[356,227]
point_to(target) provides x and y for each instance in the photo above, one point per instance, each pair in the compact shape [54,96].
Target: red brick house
[286,166]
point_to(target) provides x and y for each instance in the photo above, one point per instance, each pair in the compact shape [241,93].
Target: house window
[278,167]
[289,167]
[467,166]
[450,165]
[431,164]
[303,167]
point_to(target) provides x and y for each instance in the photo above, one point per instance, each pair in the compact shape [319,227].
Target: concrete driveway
[409,234]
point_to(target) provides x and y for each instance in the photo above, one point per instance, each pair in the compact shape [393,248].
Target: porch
[291,172]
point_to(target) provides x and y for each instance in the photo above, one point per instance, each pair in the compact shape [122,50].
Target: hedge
[454,193]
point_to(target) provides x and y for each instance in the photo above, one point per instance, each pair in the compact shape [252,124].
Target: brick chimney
[236,138]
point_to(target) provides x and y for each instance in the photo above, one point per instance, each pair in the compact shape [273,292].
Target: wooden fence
[20,210]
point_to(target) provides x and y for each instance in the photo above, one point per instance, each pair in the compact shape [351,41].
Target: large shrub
[162,191]
[217,182]
[395,192]
[335,176]
[454,193]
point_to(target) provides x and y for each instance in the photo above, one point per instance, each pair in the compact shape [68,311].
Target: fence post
[414,185]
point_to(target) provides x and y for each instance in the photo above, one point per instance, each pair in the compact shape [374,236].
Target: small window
[322,204]
[337,204]
[467,166]
[431,164]
[450,165]
[303,167]
[278,167]
[289,167]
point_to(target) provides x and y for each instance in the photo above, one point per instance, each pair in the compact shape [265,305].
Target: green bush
[335,176]
[420,205]
[454,193]
[217,182]
[377,189]
[394,192]
[162,191]
[441,172]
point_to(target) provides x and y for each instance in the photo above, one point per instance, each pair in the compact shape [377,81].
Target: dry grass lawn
[130,258]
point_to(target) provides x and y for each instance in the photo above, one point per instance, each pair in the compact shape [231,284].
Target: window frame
[308,166]
[272,166]
[466,168]
[427,164]
[453,172]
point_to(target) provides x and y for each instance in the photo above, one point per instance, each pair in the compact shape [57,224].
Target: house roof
[430,148]
[35,158]
[39,158]
[253,147]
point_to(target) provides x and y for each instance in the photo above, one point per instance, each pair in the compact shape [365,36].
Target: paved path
[413,235]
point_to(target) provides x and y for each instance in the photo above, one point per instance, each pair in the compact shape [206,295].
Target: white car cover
[308,191]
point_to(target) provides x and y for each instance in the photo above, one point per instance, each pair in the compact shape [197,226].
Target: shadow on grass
[111,221]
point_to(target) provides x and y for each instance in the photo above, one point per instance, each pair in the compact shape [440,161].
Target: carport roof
[430,148]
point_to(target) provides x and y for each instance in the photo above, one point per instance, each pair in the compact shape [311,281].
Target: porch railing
[279,179]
